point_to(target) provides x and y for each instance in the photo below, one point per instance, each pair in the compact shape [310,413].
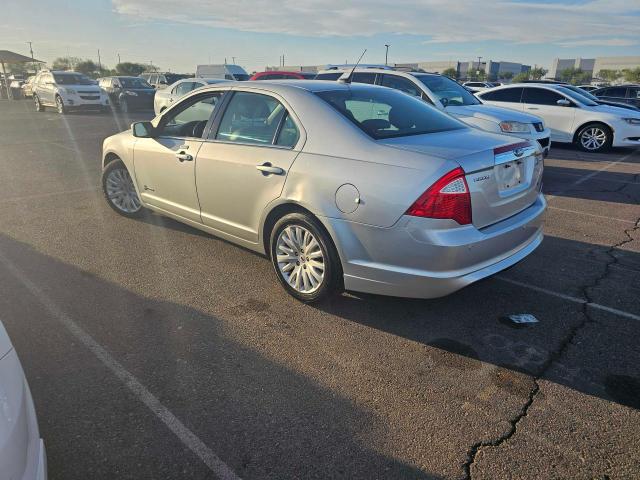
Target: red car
[283,76]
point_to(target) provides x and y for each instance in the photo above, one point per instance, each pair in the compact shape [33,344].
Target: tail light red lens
[449,197]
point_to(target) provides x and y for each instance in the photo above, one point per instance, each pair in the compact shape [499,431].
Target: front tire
[595,138]
[36,101]
[119,191]
[60,105]
[304,258]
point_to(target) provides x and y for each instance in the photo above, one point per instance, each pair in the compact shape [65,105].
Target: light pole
[386,54]
[478,70]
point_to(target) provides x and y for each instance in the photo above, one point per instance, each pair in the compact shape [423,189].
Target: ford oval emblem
[518,152]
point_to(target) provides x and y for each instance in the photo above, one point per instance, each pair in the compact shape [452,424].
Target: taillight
[447,198]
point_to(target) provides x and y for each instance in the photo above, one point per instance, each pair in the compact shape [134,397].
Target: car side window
[541,96]
[289,133]
[190,118]
[251,118]
[153,79]
[184,88]
[512,95]
[364,77]
[402,84]
[329,76]
[618,92]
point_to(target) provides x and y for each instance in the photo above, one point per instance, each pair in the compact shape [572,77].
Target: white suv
[448,95]
[572,117]
[67,91]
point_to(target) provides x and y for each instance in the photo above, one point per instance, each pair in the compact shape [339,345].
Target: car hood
[491,113]
[624,106]
[613,110]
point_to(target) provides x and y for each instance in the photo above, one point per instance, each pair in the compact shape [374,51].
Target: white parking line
[580,301]
[186,436]
[591,214]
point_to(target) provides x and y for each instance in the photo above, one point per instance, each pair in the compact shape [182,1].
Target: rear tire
[36,101]
[304,258]
[594,138]
[119,191]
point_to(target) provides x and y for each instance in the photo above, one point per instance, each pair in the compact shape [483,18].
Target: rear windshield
[386,113]
[134,83]
[449,92]
[328,76]
[242,77]
[71,79]
[580,97]
[174,77]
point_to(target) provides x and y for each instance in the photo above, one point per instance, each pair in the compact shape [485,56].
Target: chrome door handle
[267,169]
[184,157]
[533,108]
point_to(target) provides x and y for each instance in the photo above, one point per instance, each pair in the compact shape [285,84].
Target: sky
[176,35]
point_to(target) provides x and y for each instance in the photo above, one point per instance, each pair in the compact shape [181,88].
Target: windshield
[174,77]
[449,92]
[387,113]
[134,82]
[580,97]
[72,79]
[582,92]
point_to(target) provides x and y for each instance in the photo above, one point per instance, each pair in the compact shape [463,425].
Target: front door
[243,166]
[165,165]
[544,103]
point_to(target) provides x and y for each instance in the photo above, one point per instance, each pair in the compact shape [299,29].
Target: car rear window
[386,113]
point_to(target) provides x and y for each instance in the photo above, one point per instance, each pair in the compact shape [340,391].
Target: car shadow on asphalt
[263,419]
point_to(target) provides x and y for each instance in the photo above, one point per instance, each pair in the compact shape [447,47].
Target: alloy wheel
[59,105]
[593,138]
[121,191]
[300,259]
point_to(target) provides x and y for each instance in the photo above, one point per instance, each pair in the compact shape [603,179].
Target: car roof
[287,85]
[387,71]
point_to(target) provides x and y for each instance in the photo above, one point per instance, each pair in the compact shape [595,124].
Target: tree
[131,69]
[575,76]
[88,67]
[65,63]
[537,73]
[521,77]
[609,75]
[631,75]
[450,72]
[506,75]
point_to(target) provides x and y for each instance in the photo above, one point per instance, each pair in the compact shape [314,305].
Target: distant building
[296,68]
[561,64]
[493,70]
[615,63]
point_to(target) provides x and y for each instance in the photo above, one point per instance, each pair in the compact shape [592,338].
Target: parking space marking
[593,174]
[186,436]
[591,214]
[570,298]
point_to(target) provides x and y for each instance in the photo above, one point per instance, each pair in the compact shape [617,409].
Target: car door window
[189,119]
[365,77]
[617,92]
[184,88]
[512,95]
[251,118]
[153,79]
[402,84]
[541,96]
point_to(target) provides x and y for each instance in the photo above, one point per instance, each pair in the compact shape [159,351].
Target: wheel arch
[590,122]
[109,157]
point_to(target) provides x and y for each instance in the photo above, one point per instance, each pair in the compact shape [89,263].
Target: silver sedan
[342,186]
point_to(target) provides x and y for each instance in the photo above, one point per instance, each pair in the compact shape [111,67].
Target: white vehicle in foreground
[22,453]
[448,95]
[164,98]
[571,117]
[224,71]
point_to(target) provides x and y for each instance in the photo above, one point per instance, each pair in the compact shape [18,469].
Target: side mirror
[444,101]
[142,129]
[563,102]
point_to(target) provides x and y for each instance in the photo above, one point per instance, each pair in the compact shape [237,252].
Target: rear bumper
[418,260]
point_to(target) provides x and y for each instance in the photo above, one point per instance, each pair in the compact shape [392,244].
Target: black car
[620,93]
[128,93]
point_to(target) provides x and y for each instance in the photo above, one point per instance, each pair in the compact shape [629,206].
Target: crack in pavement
[553,356]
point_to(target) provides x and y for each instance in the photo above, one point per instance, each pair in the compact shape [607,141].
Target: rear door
[243,166]
[504,97]
[559,119]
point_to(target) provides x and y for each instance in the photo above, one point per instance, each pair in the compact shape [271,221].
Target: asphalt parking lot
[156,351]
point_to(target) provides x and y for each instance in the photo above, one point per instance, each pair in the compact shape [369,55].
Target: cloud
[600,42]
[438,21]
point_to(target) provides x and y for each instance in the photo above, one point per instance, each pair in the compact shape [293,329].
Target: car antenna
[350,76]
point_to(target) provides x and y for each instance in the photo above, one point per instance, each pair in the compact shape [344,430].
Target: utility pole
[33,60]
[99,62]
[478,70]
[119,59]
[386,54]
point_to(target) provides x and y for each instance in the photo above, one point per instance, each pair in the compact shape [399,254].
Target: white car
[164,98]
[571,117]
[67,91]
[448,95]
[22,453]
